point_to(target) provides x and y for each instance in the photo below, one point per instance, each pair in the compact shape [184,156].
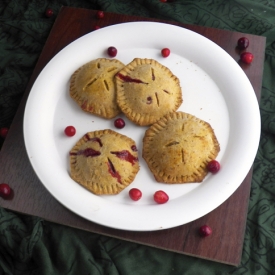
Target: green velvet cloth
[30,245]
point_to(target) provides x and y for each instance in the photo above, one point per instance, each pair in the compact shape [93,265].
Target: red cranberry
[161,197]
[243,43]
[5,191]
[119,123]
[247,57]
[70,131]
[100,14]
[205,230]
[165,52]
[49,13]
[96,27]
[213,166]
[135,194]
[112,51]
[3,132]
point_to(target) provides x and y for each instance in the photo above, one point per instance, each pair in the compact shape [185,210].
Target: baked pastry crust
[104,162]
[147,90]
[178,147]
[92,87]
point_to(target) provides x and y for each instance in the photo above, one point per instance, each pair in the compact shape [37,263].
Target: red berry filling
[112,171]
[135,194]
[205,231]
[127,78]
[119,123]
[125,155]
[88,152]
[165,52]
[70,131]
[160,197]
[98,140]
[149,100]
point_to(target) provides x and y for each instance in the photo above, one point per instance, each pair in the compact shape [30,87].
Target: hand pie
[104,162]
[147,90]
[178,147]
[92,87]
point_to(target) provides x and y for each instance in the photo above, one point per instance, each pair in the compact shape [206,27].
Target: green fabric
[30,245]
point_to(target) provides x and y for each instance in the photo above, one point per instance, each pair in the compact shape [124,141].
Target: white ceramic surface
[214,88]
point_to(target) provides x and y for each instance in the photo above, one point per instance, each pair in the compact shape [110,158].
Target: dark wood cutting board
[228,221]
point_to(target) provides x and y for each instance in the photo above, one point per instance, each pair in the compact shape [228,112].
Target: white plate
[215,89]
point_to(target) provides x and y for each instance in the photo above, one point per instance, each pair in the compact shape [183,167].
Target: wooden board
[228,221]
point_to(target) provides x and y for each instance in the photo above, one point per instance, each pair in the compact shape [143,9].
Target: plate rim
[27,133]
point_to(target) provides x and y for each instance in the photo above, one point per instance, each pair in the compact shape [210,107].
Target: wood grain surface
[228,221]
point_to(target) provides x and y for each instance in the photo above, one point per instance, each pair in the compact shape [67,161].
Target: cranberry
[135,194]
[3,132]
[165,52]
[70,131]
[96,27]
[161,197]
[119,123]
[5,191]
[213,166]
[243,43]
[247,57]
[112,51]
[205,230]
[100,14]
[49,13]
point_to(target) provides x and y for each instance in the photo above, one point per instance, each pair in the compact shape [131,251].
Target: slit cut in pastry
[178,147]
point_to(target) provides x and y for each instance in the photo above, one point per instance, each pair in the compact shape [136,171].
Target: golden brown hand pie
[92,87]
[178,147]
[147,90]
[104,161]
